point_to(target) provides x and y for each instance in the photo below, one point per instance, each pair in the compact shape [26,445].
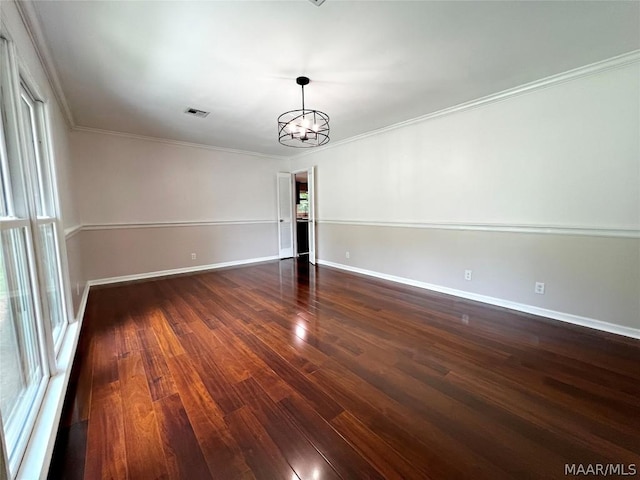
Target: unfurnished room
[319,239]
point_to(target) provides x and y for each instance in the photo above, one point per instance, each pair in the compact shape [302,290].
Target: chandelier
[303,128]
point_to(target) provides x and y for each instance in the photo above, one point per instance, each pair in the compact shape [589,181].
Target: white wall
[66,182]
[30,62]
[566,155]
[557,158]
[220,205]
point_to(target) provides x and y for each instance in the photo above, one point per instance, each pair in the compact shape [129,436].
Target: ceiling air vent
[196,113]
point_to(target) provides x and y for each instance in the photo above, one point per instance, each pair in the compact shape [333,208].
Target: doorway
[304,203]
[301,209]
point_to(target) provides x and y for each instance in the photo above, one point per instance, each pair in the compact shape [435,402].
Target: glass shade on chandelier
[303,128]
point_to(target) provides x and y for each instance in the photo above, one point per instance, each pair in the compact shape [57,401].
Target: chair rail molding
[70,232]
[590,231]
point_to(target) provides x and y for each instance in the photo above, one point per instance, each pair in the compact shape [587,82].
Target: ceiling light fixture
[303,128]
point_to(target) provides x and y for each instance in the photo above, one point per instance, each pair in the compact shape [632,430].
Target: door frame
[311,190]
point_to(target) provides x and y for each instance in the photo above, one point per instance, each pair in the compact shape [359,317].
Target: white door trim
[285,215]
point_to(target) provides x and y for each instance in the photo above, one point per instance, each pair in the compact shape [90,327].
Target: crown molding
[179,143]
[574,74]
[32,24]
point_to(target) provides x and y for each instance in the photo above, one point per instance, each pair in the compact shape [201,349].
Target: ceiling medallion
[303,128]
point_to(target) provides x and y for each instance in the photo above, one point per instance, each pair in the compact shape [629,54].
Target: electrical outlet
[539,289]
[467,275]
[193,256]
[77,288]
[347,255]
[465,319]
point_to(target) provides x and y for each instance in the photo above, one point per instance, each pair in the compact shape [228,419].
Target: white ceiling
[135,66]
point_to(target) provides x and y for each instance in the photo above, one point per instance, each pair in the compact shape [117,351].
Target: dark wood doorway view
[284,370]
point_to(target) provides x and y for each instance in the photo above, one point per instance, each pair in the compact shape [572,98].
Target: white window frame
[49,349]
[42,153]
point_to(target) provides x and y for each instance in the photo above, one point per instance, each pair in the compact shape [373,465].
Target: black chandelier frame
[303,128]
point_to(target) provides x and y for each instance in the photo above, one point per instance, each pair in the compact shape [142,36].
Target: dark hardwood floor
[285,371]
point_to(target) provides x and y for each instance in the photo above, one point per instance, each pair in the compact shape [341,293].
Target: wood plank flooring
[285,371]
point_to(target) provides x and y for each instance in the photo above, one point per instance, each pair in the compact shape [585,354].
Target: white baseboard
[178,271]
[37,457]
[36,460]
[83,302]
[520,307]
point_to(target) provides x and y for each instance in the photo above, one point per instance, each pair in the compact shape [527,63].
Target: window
[303,204]
[32,308]
[45,217]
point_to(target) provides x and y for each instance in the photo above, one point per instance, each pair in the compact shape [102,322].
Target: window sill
[37,456]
